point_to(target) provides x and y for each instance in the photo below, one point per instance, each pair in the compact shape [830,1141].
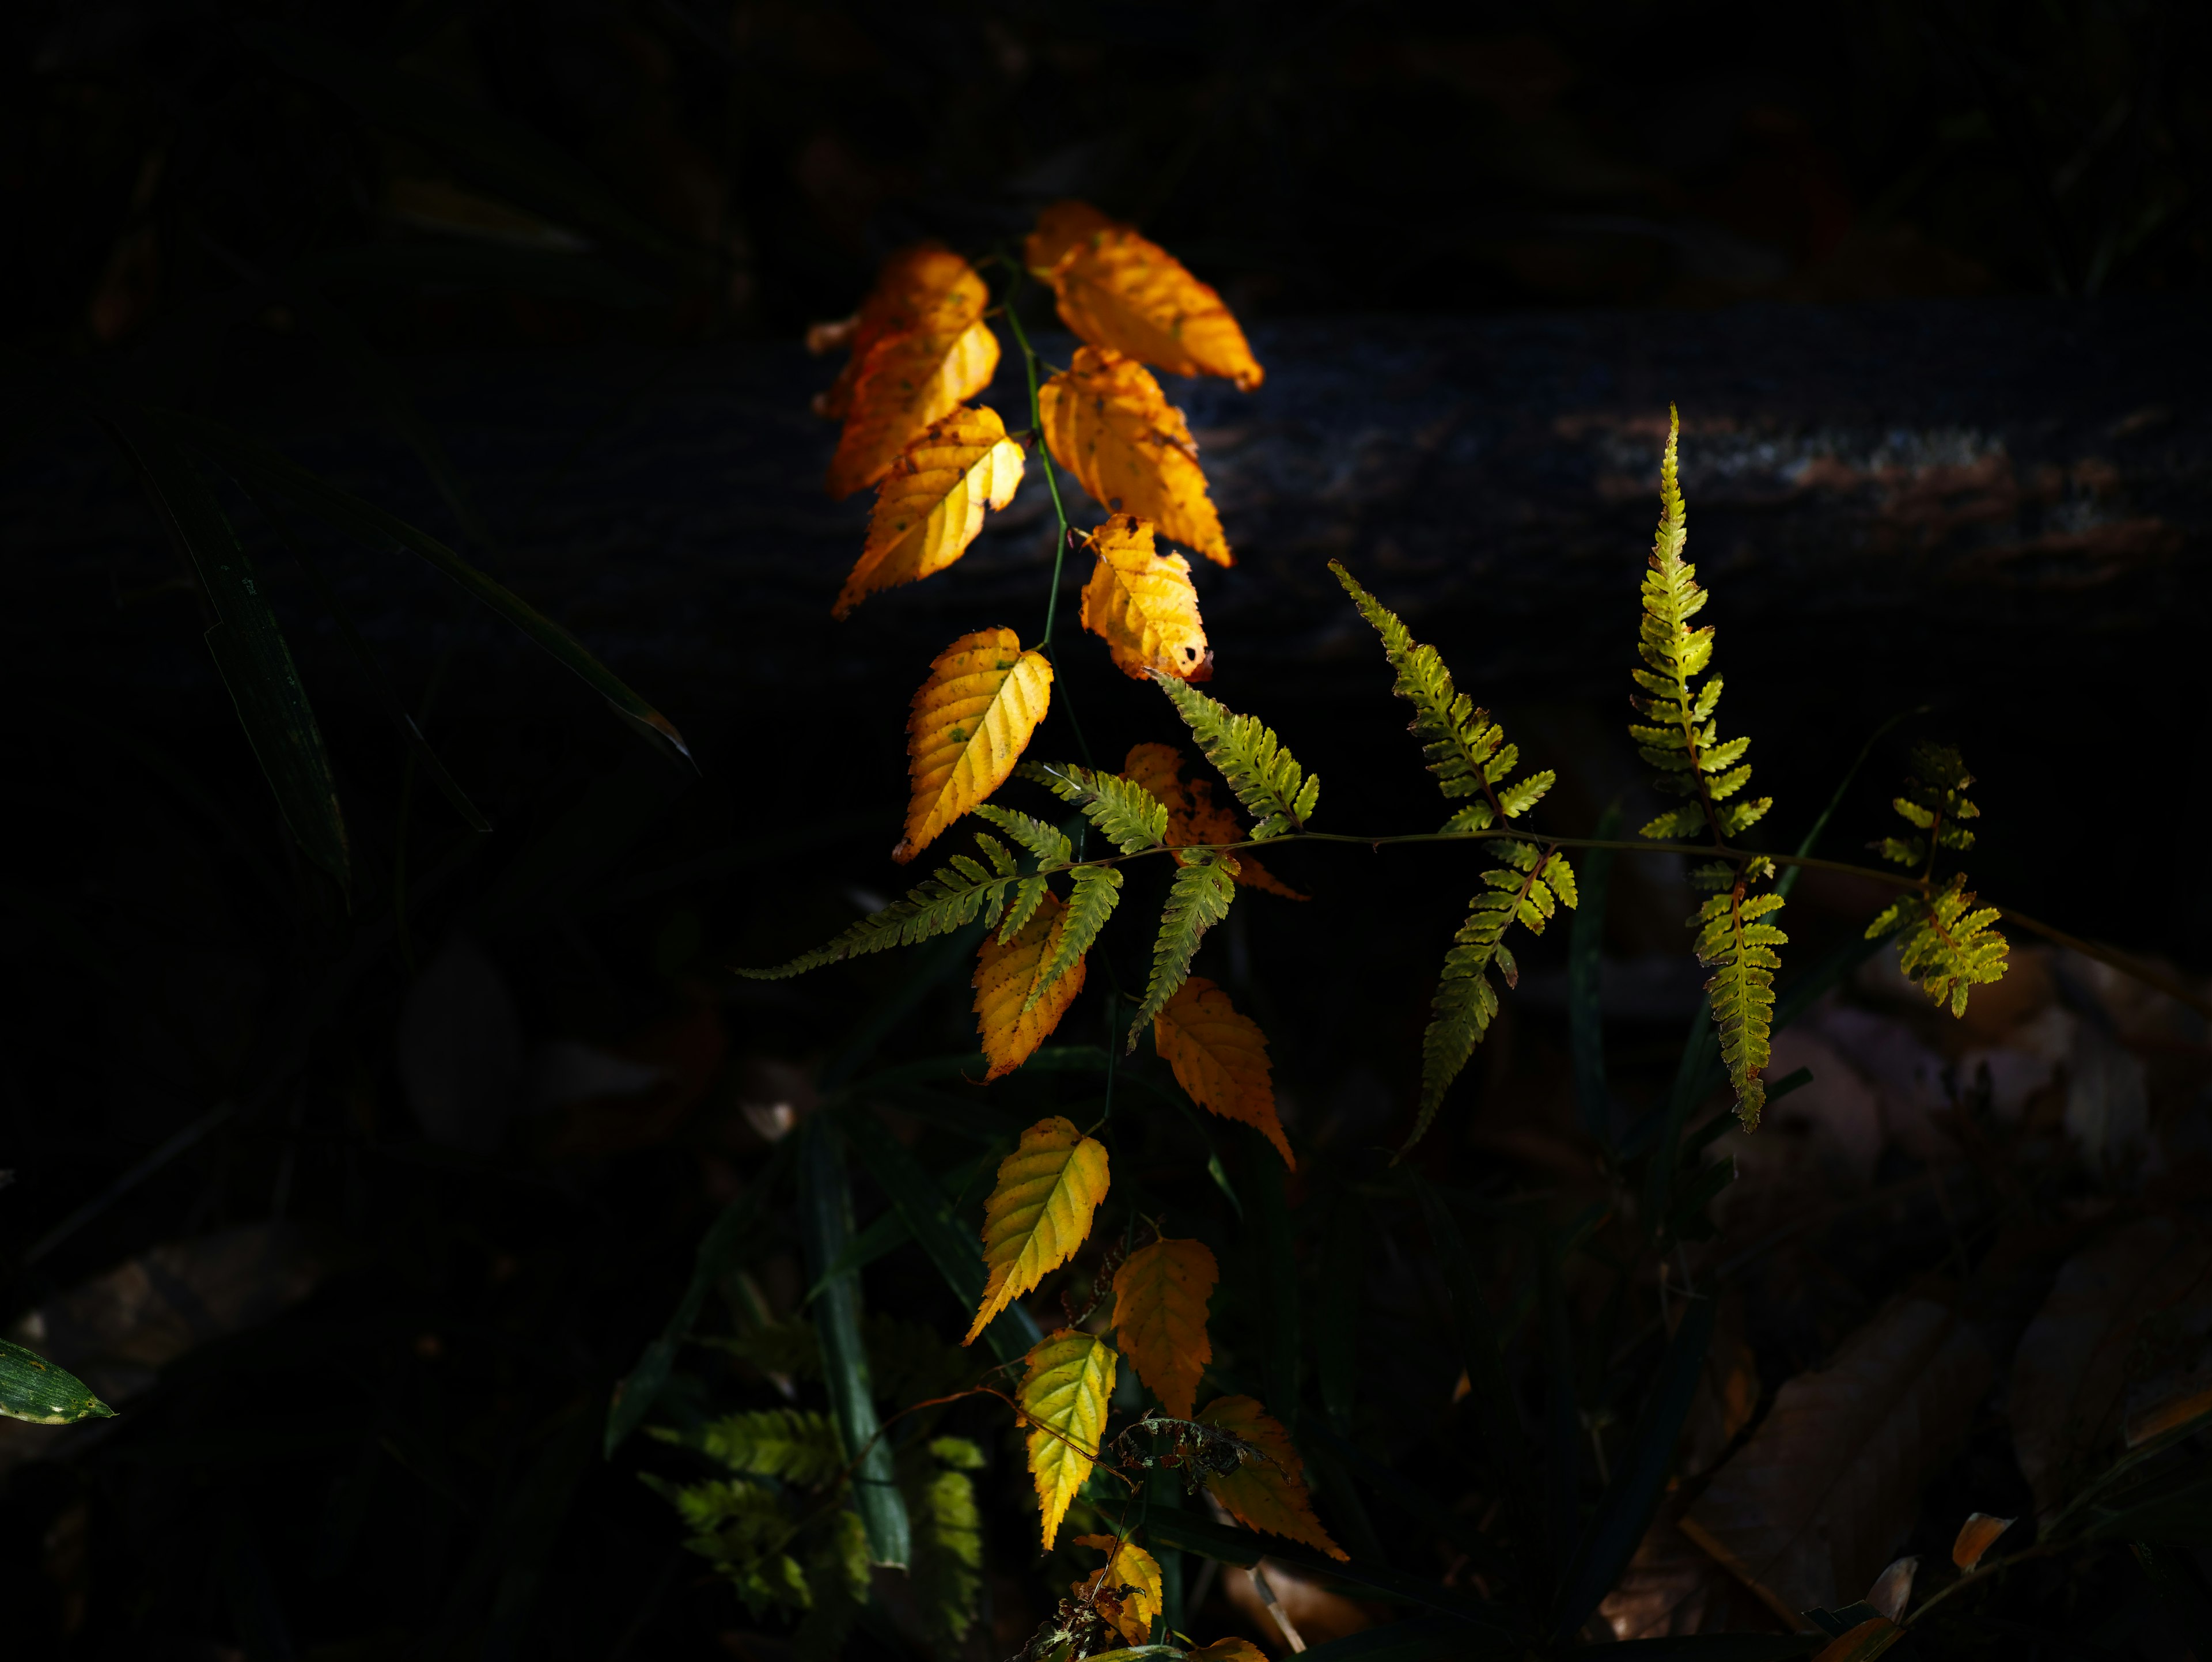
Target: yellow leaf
[1976,1536]
[1063,1399]
[1226,1650]
[1160,1294]
[1121,289]
[930,505]
[1220,1057]
[971,722]
[1142,605]
[1107,422]
[908,381]
[1193,817]
[1038,1212]
[1130,1566]
[922,286]
[1269,1492]
[1003,978]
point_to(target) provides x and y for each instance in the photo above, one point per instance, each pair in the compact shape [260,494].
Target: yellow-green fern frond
[1098,890]
[1526,890]
[1678,734]
[1949,947]
[1049,843]
[1199,899]
[1738,945]
[953,896]
[1466,750]
[1935,805]
[1267,778]
[1132,818]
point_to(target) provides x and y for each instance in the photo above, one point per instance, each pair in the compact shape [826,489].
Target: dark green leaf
[1625,1511]
[249,649]
[1336,1329]
[825,1224]
[1274,1262]
[256,463]
[32,1388]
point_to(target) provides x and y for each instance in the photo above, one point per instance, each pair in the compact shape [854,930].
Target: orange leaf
[1193,817]
[1220,1057]
[1976,1536]
[1130,1566]
[1005,975]
[1107,422]
[908,381]
[1160,1294]
[1063,1396]
[930,505]
[1120,290]
[1038,1212]
[922,286]
[1269,1492]
[971,720]
[1142,605]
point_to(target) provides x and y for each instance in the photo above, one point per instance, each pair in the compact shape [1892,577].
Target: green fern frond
[1028,895]
[1934,802]
[1098,890]
[839,1575]
[1199,900]
[1047,843]
[948,1539]
[1949,947]
[1527,890]
[954,895]
[1735,943]
[1678,734]
[795,1446]
[742,1530]
[1466,750]
[1132,818]
[1265,777]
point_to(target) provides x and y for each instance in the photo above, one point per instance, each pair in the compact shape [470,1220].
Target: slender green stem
[1043,451]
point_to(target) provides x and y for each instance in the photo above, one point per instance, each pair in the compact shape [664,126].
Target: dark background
[1855,233]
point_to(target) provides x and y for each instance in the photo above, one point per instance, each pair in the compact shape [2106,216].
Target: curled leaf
[930,505]
[1142,605]
[1219,1055]
[1017,1005]
[1127,1565]
[923,285]
[1976,1536]
[1269,1492]
[1121,289]
[1063,1397]
[1160,1295]
[971,722]
[1107,422]
[1038,1212]
[906,382]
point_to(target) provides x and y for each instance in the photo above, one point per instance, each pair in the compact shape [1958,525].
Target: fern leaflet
[1267,778]
[1047,843]
[1133,819]
[1466,750]
[1098,890]
[1525,890]
[1028,895]
[1198,900]
[1948,948]
[1740,947]
[952,897]
[797,1446]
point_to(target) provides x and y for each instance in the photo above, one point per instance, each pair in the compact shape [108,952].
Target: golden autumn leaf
[1038,1212]
[1011,1027]
[1142,605]
[924,285]
[930,505]
[1118,288]
[1268,1494]
[1193,817]
[1107,422]
[971,722]
[1219,1057]
[909,378]
[1063,1397]
[1127,1565]
[1160,1295]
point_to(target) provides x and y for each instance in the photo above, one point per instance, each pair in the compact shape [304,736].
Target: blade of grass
[248,645]
[372,527]
[1585,954]
[825,1224]
[1789,879]
[891,1231]
[1336,1330]
[1274,1260]
[717,1255]
[1625,1511]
